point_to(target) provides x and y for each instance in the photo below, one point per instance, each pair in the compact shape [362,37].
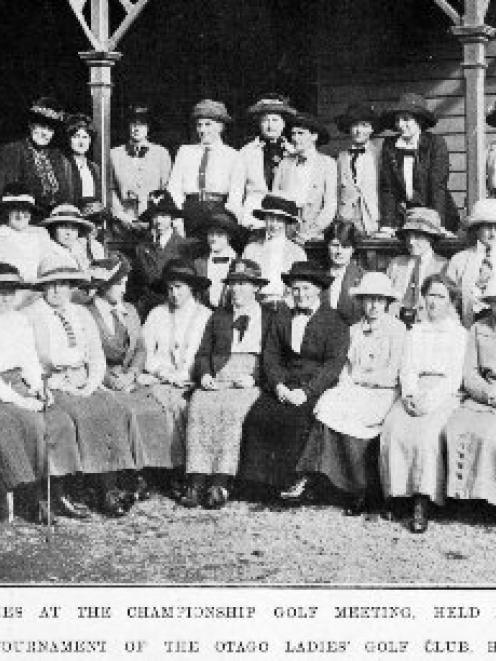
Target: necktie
[202,171]
[355,153]
[220,260]
[272,153]
[241,324]
[485,271]
[411,298]
[69,330]
[301,159]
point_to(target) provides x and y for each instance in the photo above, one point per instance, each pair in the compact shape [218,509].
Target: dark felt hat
[79,121]
[313,124]
[273,104]
[47,110]
[94,210]
[277,206]
[17,196]
[411,104]
[164,205]
[216,219]
[245,270]
[357,112]
[311,271]
[183,270]
[10,277]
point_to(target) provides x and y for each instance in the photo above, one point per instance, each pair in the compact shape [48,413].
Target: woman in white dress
[413,443]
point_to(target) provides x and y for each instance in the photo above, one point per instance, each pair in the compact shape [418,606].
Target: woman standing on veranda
[412,455]
[85,173]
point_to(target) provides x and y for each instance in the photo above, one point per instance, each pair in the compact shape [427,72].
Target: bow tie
[136,151]
[356,150]
[306,311]
[241,324]
[220,260]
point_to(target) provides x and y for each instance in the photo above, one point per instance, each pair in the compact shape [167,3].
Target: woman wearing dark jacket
[228,371]
[85,174]
[414,167]
[340,237]
[34,162]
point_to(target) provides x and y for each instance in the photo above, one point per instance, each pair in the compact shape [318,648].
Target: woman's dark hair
[343,231]
[441,278]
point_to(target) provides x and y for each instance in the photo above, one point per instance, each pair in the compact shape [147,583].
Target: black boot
[419,520]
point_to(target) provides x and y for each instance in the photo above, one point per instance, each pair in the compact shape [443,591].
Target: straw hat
[67,214]
[277,205]
[55,268]
[209,109]
[46,110]
[310,271]
[483,212]
[375,283]
[271,104]
[422,219]
[245,270]
[18,196]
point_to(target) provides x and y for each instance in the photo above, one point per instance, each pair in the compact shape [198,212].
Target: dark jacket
[349,307]
[17,164]
[201,268]
[215,347]
[76,180]
[148,264]
[323,352]
[430,181]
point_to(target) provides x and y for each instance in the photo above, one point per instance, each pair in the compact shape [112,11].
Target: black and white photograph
[248,293]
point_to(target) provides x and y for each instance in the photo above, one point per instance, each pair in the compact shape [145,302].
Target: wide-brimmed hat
[245,270]
[216,219]
[311,271]
[17,196]
[278,206]
[489,292]
[138,112]
[94,211]
[358,112]
[413,104]
[421,219]
[273,104]
[79,121]
[47,110]
[165,205]
[183,270]
[375,283]
[67,214]
[10,277]
[55,268]
[483,212]
[209,109]
[106,272]
[313,124]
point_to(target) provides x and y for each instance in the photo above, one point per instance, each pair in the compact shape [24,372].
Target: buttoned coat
[76,184]
[349,307]
[319,209]
[201,266]
[430,181]
[358,201]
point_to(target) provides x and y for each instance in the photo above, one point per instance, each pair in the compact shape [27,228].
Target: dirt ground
[160,542]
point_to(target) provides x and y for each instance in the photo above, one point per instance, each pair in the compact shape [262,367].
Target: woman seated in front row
[412,453]
[70,351]
[471,430]
[172,334]
[229,373]
[343,443]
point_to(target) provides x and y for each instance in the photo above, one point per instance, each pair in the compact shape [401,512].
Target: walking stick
[49,535]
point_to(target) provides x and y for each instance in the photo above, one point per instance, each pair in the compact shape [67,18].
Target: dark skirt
[20,445]
[153,441]
[351,464]
[274,437]
[102,428]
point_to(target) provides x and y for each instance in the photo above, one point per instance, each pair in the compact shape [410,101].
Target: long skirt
[471,442]
[102,429]
[154,443]
[274,437]
[215,425]
[168,449]
[413,452]
[350,463]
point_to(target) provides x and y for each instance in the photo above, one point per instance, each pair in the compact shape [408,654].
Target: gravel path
[161,542]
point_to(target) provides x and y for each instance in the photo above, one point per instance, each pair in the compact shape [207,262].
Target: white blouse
[18,350]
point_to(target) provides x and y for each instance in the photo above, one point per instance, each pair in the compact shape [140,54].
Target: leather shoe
[419,521]
[192,498]
[356,508]
[112,505]
[217,498]
[65,507]
[141,490]
[299,492]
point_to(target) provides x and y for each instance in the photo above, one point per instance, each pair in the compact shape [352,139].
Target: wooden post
[474,34]
[100,64]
